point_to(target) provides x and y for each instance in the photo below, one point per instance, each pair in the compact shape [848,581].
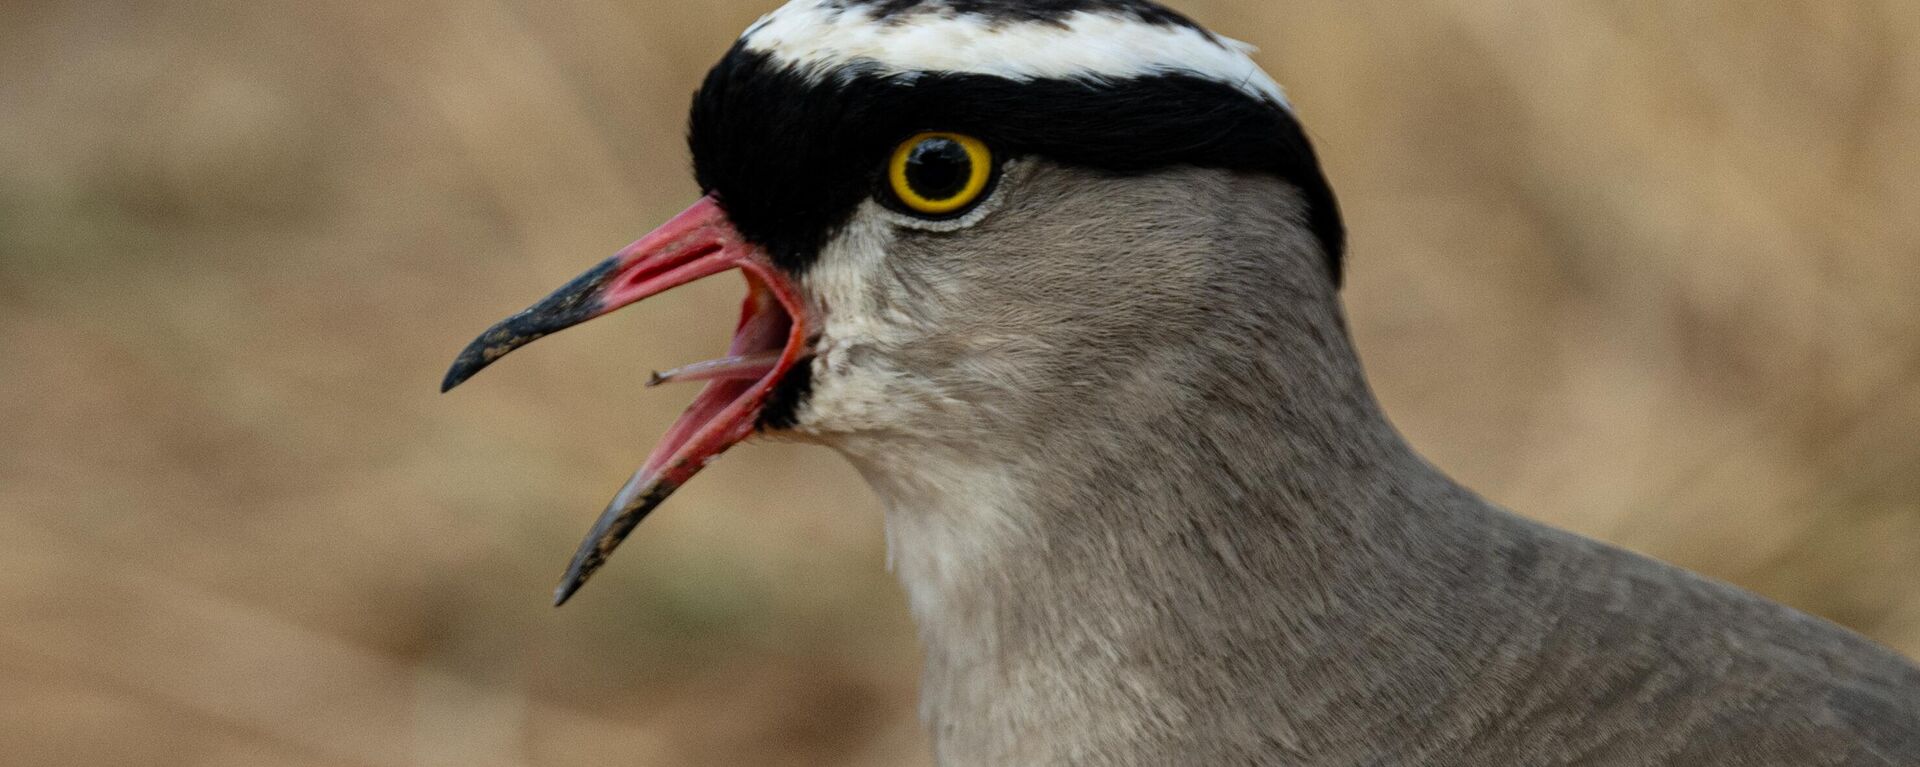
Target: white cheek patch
[842,275]
[818,38]
[853,389]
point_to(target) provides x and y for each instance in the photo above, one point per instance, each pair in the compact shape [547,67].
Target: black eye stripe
[792,157]
[939,168]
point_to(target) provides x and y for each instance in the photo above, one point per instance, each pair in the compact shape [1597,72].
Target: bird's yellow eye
[940,174]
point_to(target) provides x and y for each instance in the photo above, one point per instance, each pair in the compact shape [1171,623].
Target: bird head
[956,219]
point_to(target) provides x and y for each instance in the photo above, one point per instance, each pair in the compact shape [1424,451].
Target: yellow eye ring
[938,174]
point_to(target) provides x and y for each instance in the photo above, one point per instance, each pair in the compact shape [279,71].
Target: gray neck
[1230,542]
[1147,512]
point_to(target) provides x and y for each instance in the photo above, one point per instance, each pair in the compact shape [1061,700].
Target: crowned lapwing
[1061,279]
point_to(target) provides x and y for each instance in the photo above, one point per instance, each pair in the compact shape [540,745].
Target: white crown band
[823,37]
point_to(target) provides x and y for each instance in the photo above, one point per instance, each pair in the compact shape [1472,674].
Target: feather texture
[1146,512]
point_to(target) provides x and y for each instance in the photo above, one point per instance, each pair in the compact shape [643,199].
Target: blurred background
[1646,269]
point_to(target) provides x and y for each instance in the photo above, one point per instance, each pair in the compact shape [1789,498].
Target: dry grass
[1646,269]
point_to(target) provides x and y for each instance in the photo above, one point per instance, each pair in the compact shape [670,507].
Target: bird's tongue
[770,341]
[728,407]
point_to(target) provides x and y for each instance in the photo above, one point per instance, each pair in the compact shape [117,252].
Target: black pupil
[939,169]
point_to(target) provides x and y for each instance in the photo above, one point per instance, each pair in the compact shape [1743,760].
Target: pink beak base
[698,243]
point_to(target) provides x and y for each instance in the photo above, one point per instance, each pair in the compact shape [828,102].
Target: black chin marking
[792,156]
[782,410]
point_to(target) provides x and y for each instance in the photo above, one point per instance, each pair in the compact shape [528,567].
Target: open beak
[771,340]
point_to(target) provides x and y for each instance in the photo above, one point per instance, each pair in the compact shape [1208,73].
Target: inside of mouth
[749,367]
[635,279]
[728,407]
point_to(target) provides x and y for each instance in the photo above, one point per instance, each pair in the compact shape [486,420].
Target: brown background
[1645,269]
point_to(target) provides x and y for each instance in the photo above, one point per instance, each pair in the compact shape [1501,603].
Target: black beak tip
[608,532]
[573,304]
[462,370]
[565,592]
[491,345]
[593,553]
[584,565]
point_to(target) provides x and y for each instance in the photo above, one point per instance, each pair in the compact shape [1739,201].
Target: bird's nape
[1061,280]
[768,344]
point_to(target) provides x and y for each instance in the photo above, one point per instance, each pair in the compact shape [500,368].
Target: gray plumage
[1143,503]
[1147,512]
